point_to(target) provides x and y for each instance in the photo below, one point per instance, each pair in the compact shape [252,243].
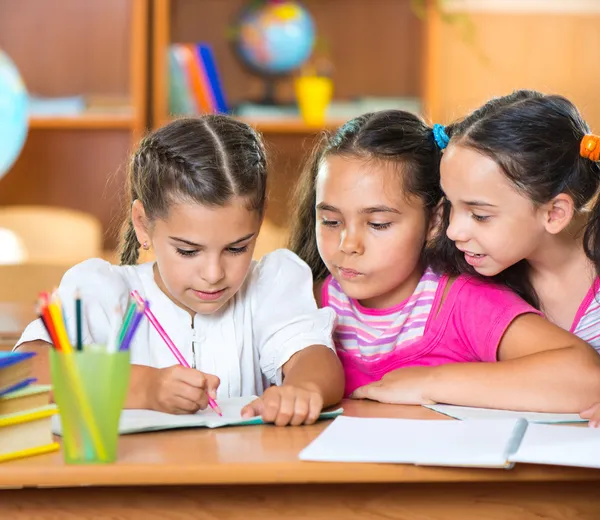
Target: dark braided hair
[208,160]
[391,136]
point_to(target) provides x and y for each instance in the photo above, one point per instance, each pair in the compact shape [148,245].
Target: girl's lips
[348,273]
[208,296]
[474,260]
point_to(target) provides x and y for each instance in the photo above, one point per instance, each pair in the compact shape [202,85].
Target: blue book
[15,371]
[180,97]
[207,56]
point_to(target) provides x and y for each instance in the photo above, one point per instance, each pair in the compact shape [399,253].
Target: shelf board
[89,121]
[289,126]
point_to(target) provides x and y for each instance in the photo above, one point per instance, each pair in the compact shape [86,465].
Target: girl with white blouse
[198,192]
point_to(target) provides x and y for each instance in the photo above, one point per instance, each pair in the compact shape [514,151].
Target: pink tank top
[418,332]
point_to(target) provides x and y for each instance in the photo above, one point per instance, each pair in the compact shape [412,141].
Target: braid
[130,246]
[151,145]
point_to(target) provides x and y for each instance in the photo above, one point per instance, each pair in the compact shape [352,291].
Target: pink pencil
[163,334]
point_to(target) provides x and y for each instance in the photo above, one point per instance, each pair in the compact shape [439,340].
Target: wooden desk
[254,473]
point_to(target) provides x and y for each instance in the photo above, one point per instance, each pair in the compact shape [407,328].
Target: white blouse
[245,344]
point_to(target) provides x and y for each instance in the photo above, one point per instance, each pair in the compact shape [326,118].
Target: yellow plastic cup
[314,95]
[90,388]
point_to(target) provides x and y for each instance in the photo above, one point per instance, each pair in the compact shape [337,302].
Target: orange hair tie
[590,147]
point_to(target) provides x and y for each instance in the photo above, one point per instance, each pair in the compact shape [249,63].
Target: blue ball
[13,113]
[277,37]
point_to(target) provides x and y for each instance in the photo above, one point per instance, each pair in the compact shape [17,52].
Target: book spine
[207,57]
[181,101]
[515,441]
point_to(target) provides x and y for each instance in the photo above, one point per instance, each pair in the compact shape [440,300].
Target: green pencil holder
[90,388]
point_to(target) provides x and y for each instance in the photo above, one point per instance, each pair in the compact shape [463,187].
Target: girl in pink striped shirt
[405,334]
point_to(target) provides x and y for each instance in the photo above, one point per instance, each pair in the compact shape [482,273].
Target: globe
[275,36]
[13,113]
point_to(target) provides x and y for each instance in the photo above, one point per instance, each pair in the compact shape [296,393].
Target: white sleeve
[286,318]
[102,289]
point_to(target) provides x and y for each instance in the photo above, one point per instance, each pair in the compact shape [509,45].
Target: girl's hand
[401,386]
[593,414]
[287,404]
[180,390]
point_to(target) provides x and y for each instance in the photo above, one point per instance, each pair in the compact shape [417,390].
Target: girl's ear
[140,222]
[558,213]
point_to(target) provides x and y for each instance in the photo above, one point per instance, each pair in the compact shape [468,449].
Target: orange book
[198,82]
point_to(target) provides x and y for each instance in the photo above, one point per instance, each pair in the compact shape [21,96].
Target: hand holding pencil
[180,390]
[208,385]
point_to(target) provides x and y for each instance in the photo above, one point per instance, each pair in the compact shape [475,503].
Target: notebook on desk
[463,413]
[483,443]
[138,421]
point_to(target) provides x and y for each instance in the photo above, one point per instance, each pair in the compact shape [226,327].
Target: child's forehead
[194,218]
[345,176]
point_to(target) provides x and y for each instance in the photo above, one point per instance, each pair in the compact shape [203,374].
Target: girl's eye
[480,218]
[237,250]
[380,225]
[329,223]
[186,252]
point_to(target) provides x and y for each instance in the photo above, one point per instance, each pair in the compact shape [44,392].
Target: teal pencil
[78,322]
[126,322]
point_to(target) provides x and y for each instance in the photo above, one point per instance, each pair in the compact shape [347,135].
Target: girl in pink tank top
[521,177]
[364,210]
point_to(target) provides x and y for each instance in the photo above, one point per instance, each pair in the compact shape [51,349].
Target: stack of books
[25,409]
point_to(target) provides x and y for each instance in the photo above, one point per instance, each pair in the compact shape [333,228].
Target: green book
[27,398]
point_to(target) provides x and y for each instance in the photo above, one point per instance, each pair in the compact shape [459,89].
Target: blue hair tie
[440,136]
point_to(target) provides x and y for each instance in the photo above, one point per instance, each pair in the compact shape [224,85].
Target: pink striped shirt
[468,327]
[586,324]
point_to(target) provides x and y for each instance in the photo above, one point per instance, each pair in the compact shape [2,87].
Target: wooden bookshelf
[84,121]
[95,49]
[388,59]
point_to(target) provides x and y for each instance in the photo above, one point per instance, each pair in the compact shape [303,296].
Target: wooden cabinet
[94,48]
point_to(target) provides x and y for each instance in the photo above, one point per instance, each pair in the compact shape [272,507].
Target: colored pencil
[133,325]
[127,321]
[79,324]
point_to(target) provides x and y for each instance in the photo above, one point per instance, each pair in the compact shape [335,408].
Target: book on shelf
[337,111]
[194,81]
[72,106]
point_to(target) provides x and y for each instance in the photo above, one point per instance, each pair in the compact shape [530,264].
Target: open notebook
[484,443]
[463,413]
[137,421]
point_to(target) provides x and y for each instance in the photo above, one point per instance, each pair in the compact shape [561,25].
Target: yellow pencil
[59,326]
